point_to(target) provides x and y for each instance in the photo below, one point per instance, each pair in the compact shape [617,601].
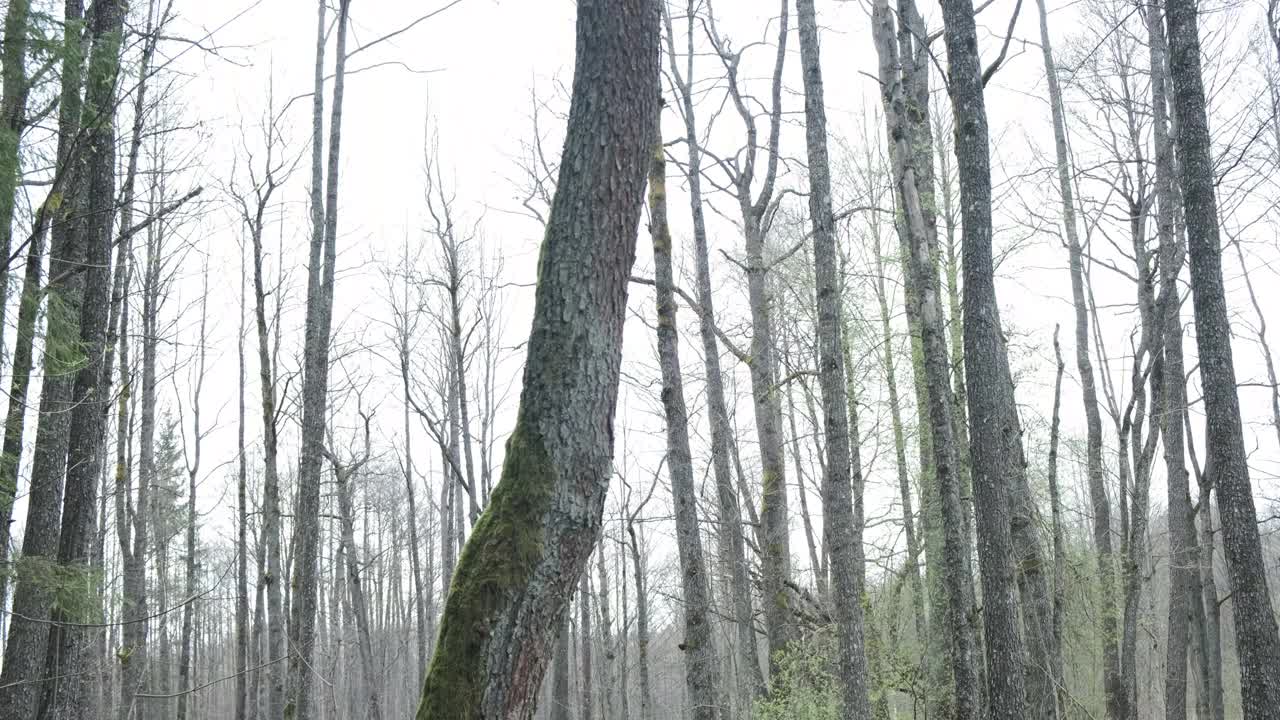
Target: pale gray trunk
[642,626]
[702,669]
[731,543]
[315,380]
[837,493]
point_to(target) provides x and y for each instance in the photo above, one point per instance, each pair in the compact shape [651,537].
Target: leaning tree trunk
[1226,465]
[516,575]
[702,671]
[996,441]
[837,492]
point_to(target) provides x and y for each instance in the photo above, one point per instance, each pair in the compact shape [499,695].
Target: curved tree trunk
[517,572]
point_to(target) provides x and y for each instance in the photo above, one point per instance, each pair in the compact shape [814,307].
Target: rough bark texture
[315,381]
[837,494]
[517,572]
[702,669]
[28,635]
[642,627]
[560,675]
[925,299]
[69,658]
[732,546]
[995,437]
[1226,466]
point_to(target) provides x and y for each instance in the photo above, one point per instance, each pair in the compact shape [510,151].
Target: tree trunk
[730,532]
[356,593]
[995,437]
[515,577]
[922,271]
[702,671]
[275,660]
[70,647]
[185,654]
[642,626]
[1226,465]
[837,493]
[1059,539]
[242,657]
[315,382]
[560,675]
[585,707]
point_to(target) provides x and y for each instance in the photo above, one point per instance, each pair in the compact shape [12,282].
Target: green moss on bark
[504,549]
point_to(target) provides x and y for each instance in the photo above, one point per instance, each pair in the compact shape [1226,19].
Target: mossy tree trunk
[516,575]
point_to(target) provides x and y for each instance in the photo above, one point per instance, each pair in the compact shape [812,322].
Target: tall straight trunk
[806,518]
[462,424]
[275,659]
[702,669]
[14,90]
[922,271]
[560,675]
[372,708]
[837,493]
[132,654]
[515,577]
[185,653]
[419,586]
[587,702]
[996,444]
[609,681]
[13,117]
[730,534]
[1097,489]
[242,657]
[642,626]
[28,636]
[1226,465]
[1059,540]
[70,647]
[315,381]
[775,542]
[1184,578]
[905,492]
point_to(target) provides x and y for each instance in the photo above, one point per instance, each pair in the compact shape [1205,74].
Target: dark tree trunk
[70,647]
[516,575]
[996,444]
[1226,466]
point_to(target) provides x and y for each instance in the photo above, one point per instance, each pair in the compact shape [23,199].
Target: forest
[639,360]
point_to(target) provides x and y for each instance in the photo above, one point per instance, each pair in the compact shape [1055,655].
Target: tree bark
[702,670]
[996,444]
[730,531]
[837,493]
[1059,539]
[70,647]
[516,575]
[315,381]
[1226,465]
